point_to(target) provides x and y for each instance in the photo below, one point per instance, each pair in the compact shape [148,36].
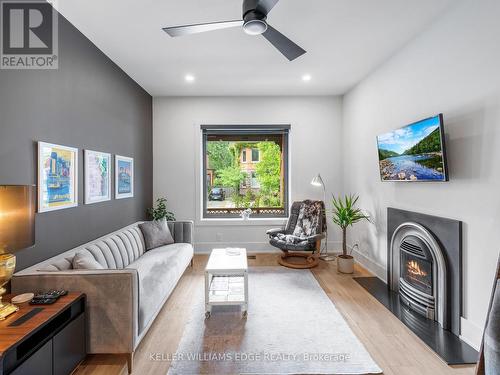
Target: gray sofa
[124,298]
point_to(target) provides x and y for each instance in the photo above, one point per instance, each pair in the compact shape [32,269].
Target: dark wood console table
[44,339]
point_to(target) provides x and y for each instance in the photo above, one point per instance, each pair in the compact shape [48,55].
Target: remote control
[43,301]
[48,297]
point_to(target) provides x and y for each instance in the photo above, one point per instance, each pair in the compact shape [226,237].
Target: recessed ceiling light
[306,77]
[189,78]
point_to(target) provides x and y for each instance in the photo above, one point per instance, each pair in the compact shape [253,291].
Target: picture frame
[57,177]
[124,177]
[97,176]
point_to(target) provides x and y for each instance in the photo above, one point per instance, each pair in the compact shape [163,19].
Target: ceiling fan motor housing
[254,22]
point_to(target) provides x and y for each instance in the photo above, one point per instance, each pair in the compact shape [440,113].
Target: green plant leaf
[345,213]
[160,212]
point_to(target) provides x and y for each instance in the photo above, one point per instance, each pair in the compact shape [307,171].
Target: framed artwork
[57,177]
[97,176]
[124,177]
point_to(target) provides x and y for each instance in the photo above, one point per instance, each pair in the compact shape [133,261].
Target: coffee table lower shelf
[226,289]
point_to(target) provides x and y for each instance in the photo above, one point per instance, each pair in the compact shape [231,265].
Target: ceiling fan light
[255,27]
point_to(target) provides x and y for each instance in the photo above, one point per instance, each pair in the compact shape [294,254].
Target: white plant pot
[345,265]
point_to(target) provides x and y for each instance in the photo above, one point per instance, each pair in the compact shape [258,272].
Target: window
[255,155]
[261,185]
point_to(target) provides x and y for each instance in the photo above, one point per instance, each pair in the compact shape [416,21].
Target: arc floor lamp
[318,182]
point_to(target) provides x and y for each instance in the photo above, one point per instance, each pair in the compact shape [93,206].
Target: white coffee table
[226,279]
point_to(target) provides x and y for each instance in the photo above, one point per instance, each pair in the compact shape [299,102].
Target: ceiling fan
[254,22]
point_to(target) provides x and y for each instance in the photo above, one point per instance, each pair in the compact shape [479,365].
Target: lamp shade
[317,181]
[17,217]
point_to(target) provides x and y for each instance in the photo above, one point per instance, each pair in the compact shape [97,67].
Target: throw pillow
[156,234]
[64,264]
[85,261]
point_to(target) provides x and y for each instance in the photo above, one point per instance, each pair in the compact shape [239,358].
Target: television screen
[415,152]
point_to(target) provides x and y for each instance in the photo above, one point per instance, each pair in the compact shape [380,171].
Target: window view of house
[245,171]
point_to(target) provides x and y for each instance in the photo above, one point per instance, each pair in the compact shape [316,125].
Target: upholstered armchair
[302,235]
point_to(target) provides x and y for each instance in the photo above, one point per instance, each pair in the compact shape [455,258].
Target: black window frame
[248,130]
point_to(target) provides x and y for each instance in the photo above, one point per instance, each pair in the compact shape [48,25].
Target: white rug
[292,328]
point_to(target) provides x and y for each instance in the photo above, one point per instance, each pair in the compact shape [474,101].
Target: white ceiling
[345,40]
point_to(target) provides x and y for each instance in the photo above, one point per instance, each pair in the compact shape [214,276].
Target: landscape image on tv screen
[414,152]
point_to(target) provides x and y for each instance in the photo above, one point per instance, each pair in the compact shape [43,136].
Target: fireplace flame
[414,269]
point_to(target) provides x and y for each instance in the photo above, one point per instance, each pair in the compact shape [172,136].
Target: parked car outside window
[216,194]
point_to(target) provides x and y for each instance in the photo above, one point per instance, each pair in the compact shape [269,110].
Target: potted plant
[345,213]
[160,212]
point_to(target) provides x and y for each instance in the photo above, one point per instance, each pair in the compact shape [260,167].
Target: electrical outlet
[218,237]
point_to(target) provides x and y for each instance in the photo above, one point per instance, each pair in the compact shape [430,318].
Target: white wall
[315,142]
[454,68]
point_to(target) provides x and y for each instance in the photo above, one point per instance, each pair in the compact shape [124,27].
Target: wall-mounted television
[415,152]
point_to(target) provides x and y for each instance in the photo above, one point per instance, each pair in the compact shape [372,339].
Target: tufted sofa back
[117,250]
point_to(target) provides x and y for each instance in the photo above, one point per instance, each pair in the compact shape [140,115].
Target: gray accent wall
[88,103]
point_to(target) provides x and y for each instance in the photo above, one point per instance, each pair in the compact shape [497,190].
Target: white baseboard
[206,247]
[471,333]
[372,266]
[254,247]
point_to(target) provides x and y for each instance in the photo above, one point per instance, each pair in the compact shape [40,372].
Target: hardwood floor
[393,346]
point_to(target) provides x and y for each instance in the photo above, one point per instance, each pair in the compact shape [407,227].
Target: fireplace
[424,274]
[418,272]
[415,281]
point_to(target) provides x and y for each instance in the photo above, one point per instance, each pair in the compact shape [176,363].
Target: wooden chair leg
[130,362]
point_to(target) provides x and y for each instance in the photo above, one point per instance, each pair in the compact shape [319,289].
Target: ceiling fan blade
[200,28]
[288,48]
[265,6]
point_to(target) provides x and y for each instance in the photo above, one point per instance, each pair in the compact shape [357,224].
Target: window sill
[264,222]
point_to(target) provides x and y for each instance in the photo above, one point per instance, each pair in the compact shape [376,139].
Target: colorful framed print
[97,176]
[124,177]
[57,177]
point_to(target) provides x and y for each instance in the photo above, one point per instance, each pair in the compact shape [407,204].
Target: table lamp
[318,182]
[17,231]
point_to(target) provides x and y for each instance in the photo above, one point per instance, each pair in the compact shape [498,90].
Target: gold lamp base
[6,309]
[7,266]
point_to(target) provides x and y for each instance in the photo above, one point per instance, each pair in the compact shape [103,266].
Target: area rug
[292,327]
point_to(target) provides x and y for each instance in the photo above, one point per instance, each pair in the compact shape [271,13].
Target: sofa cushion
[85,261]
[158,272]
[156,234]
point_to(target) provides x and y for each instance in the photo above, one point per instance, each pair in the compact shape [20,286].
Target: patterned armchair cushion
[310,219]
